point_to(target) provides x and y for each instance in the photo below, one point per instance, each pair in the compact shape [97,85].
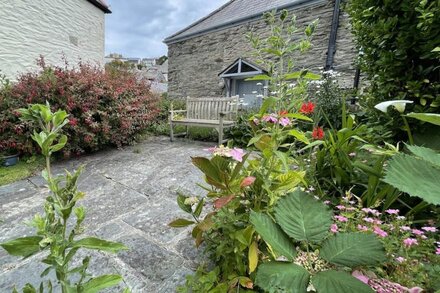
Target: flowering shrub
[413,252]
[104,109]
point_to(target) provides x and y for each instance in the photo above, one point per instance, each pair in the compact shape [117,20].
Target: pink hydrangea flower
[341,218]
[362,228]
[334,228]
[284,121]
[270,118]
[237,154]
[379,232]
[417,232]
[430,229]
[392,211]
[408,242]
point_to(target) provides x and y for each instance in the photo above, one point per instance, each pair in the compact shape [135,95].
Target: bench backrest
[210,108]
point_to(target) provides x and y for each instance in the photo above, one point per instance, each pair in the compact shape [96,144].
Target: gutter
[302,3]
[333,35]
[101,6]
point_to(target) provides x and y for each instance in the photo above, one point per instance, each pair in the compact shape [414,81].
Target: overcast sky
[136,28]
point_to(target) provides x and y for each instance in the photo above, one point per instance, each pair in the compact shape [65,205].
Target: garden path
[130,197]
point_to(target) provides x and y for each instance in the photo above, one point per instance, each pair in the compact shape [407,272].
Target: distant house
[212,56]
[51,28]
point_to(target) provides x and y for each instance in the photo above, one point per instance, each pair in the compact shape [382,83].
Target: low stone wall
[194,64]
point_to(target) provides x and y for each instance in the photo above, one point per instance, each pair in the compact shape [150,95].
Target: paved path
[130,197]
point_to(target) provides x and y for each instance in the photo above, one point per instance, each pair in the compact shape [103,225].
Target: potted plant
[8,153]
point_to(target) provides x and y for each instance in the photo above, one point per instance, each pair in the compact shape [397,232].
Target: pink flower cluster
[235,153]
[274,118]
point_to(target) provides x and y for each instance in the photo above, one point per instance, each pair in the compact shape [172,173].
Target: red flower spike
[307,108]
[318,133]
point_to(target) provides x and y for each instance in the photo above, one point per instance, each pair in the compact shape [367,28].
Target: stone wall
[52,28]
[194,64]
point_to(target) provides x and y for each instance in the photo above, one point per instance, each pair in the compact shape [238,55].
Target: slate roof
[101,4]
[232,13]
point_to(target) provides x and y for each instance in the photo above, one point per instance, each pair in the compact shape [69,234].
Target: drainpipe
[333,35]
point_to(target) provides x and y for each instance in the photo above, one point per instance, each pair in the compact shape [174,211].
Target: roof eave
[101,6]
[175,39]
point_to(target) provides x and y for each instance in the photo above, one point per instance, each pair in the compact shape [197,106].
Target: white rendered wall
[30,28]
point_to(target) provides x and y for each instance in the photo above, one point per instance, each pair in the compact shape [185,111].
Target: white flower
[399,105]
[259,83]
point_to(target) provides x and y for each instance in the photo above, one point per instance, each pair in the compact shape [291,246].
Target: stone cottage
[53,29]
[212,56]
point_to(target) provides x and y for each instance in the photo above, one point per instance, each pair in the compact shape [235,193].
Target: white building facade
[74,29]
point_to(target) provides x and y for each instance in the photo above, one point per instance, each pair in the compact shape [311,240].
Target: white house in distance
[51,28]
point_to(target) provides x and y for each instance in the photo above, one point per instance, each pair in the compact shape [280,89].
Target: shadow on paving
[130,197]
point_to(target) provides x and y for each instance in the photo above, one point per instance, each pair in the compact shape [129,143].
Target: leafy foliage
[397,42]
[301,218]
[418,175]
[344,250]
[105,108]
[55,234]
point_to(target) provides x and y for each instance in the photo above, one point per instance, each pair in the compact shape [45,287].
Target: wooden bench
[217,112]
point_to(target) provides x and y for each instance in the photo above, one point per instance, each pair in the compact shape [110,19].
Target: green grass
[25,168]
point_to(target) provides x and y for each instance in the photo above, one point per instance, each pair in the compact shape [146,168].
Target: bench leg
[187,132]
[171,131]
[220,132]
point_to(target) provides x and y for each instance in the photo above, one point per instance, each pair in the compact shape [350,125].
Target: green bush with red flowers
[105,109]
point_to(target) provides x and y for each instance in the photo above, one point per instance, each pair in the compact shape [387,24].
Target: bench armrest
[177,111]
[223,114]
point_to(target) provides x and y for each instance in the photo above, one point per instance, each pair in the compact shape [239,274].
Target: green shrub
[105,108]
[397,41]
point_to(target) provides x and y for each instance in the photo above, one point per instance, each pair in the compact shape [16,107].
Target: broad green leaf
[289,180]
[24,247]
[414,176]
[199,208]
[425,153]
[97,284]
[312,144]
[302,217]
[301,136]
[181,202]
[99,244]
[209,169]
[333,281]
[179,223]
[426,117]
[276,277]
[253,256]
[299,117]
[353,249]
[267,104]
[272,235]
[28,288]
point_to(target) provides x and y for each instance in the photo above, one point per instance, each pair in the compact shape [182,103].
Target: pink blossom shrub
[105,108]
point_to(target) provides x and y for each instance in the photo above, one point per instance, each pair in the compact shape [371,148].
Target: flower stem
[408,130]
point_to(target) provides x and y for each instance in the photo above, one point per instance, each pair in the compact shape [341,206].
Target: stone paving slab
[130,197]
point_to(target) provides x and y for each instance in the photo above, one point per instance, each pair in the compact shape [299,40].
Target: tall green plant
[54,233]
[313,260]
[238,182]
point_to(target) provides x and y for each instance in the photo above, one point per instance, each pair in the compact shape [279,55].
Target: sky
[136,28]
